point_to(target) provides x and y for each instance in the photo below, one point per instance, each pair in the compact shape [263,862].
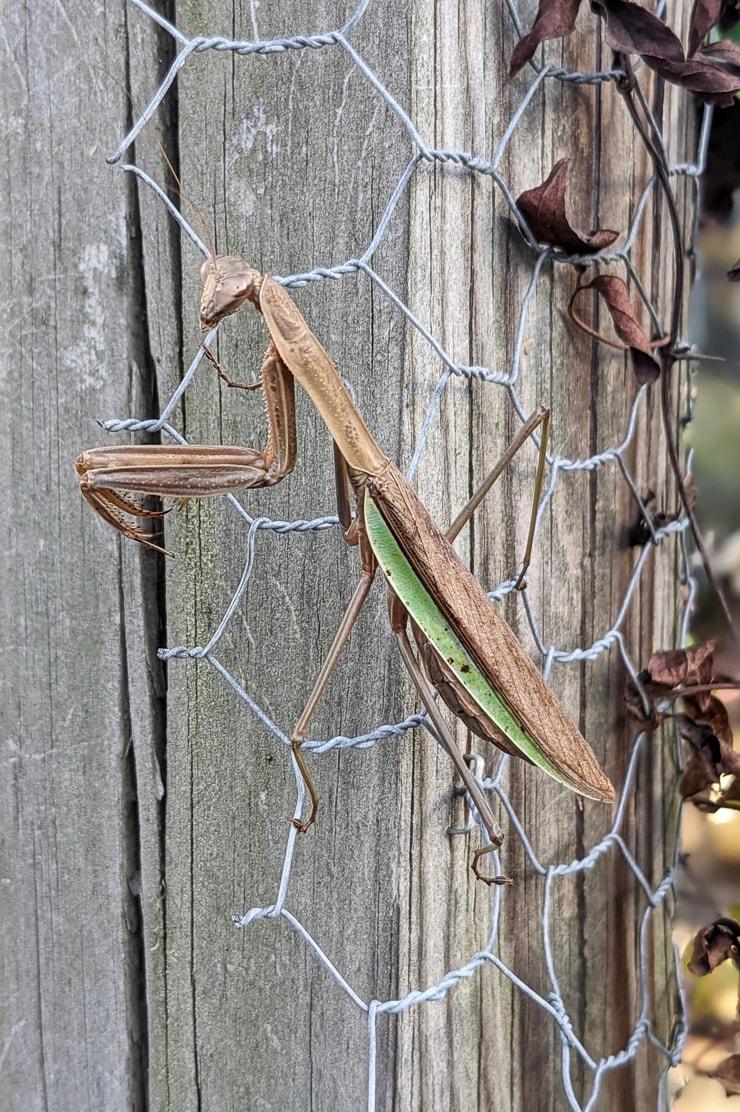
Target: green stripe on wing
[436,628]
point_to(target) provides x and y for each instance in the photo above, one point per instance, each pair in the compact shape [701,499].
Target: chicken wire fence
[552,1005]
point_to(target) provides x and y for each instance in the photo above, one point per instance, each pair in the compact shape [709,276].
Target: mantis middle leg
[341,637]
[541,416]
[353,532]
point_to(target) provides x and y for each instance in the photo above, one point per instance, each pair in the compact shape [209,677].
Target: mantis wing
[439,631]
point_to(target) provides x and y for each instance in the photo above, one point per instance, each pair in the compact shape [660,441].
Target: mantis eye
[206,270]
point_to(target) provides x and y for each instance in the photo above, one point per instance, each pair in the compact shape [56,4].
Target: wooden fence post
[143,806]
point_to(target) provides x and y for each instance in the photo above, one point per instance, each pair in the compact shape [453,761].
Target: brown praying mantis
[465,649]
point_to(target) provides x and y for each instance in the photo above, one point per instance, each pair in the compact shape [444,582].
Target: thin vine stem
[716,804]
[667,356]
[702,688]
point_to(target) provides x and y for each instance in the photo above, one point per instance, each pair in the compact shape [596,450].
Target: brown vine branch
[701,688]
[593,332]
[625,89]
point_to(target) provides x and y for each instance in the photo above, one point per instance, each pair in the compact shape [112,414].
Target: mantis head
[227,283]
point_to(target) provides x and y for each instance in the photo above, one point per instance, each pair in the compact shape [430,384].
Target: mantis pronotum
[466,651]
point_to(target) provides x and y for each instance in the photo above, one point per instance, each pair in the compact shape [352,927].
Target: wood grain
[142,809]
[76,697]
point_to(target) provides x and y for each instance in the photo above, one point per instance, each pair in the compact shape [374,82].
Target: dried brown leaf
[648,718]
[728,1072]
[712,74]
[705,724]
[714,944]
[682,667]
[708,710]
[704,15]
[705,744]
[698,774]
[631,29]
[554,19]
[639,533]
[544,210]
[711,755]
[615,295]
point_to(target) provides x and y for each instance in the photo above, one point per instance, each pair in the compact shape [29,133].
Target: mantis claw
[302,827]
[109,505]
[225,376]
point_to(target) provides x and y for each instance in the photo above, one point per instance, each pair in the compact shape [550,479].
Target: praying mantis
[465,651]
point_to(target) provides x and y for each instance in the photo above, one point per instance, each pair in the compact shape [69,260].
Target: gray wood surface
[140,810]
[74,695]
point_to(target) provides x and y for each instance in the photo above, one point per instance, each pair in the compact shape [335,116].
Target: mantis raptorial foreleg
[194,470]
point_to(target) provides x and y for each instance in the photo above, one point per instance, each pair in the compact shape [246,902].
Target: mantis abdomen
[473,640]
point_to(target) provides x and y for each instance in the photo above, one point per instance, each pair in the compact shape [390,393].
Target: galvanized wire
[553,1006]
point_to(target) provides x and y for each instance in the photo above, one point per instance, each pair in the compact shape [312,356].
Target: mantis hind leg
[482,806]
[541,416]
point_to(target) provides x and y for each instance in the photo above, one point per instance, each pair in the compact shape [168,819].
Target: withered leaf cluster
[640,532]
[712,71]
[544,210]
[728,1072]
[718,941]
[704,724]
[715,943]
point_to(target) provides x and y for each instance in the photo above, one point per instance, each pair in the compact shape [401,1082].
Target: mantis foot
[296,743]
[482,876]
[302,827]
[224,376]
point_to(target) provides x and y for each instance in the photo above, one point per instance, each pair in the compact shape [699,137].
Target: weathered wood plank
[73,1029]
[171,802]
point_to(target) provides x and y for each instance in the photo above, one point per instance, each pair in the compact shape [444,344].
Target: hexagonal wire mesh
[559,468]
